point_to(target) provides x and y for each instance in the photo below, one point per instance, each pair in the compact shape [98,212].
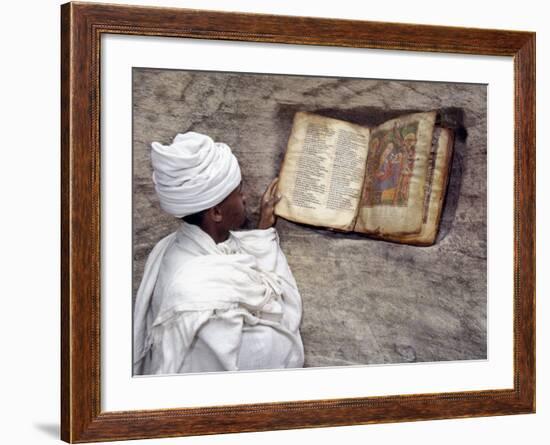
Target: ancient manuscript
[388,181]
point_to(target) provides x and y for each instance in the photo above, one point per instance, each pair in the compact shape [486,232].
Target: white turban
[194,173]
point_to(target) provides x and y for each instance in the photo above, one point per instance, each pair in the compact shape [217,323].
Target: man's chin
[246,224]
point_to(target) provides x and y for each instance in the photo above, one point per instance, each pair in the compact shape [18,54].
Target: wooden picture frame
[82,25]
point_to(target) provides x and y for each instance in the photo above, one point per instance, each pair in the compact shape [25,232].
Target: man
[213,298]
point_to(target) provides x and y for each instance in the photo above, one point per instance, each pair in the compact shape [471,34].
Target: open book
[388,181]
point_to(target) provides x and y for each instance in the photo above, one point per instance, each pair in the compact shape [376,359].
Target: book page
[322,173]
[436,186]
[393,192]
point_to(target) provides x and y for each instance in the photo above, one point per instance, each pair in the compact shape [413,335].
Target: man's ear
[215,213]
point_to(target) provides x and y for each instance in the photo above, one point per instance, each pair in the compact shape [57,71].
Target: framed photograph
[274,222]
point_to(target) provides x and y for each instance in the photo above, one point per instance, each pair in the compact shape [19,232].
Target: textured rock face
[364,301]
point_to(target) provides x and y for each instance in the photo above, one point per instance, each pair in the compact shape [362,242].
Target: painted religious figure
[389,166]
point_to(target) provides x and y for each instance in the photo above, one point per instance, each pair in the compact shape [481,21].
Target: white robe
[203,306]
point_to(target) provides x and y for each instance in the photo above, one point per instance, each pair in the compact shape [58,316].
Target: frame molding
[82,25]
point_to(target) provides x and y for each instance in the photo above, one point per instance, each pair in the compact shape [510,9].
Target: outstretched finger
[274,199]
[276,191]
[272,185]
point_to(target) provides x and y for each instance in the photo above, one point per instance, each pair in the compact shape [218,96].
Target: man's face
[234,209]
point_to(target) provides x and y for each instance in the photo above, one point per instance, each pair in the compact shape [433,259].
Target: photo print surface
[381,219]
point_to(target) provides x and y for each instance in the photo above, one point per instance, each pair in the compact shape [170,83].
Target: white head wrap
[194,173]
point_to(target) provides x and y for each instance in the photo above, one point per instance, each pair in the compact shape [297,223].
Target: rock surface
[365,301]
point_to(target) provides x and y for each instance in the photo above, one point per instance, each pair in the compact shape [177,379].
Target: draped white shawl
[203,306]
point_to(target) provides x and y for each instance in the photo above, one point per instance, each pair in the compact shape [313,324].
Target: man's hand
[267,204]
